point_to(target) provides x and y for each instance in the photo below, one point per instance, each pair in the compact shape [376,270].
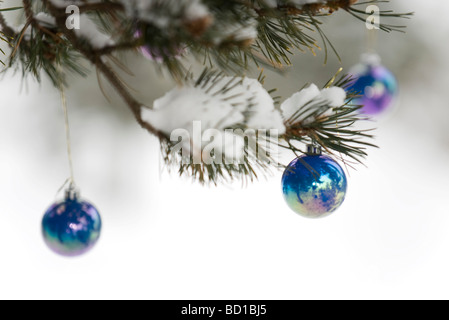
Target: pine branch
[229,35]
[95,57]
[235,96]
[316,121]
[279,30]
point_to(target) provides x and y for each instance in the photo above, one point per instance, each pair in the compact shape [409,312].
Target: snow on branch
[218,102]
[327,99]
[226,104]
[89,31]
[228,35]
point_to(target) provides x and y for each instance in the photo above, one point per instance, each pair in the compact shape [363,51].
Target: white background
[166,238]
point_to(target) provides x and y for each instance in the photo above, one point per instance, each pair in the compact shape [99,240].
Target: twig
[95,57]
[7,30]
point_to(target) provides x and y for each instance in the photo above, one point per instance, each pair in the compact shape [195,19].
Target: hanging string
[371,41]
[67,136]
[71,180]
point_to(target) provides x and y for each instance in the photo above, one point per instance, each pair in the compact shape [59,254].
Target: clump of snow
[239,32]
[195,10]
[216,108]
[290,106]
[328,98]
[232,102]
[263,114]
[334,96]
[90,32]
[227,102]
[45,19]
[181,106]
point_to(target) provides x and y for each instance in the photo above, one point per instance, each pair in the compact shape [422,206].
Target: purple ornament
[375,84]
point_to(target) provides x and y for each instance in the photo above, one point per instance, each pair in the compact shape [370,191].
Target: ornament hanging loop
[372,28]
[313,148]
[372,39]
[71,191]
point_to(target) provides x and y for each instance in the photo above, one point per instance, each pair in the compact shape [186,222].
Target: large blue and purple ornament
[314,185]
[376,85]
[71,227]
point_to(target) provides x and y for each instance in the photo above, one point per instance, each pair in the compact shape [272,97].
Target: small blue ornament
[71,227]
[314,185]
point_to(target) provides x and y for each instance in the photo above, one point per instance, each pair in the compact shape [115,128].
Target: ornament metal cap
[72,193]
[313,150]
[371,59]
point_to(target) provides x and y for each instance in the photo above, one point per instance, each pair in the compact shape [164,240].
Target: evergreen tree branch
[276,31]
[227,35]
[96,58]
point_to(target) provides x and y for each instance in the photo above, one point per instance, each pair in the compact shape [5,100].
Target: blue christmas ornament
[71,227]
[375,84]
[314,185]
